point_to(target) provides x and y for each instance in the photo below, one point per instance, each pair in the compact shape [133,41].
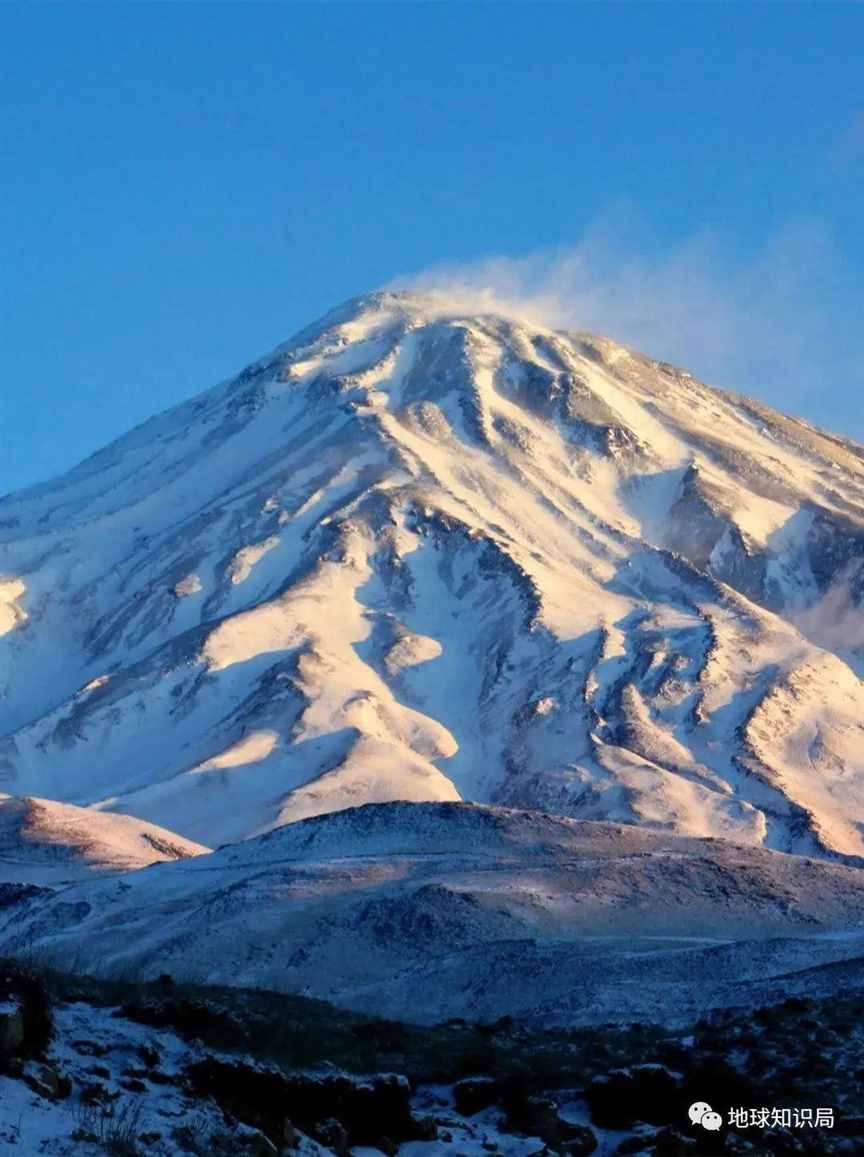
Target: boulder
[475,1094]
[539,1117]
[263,1096]
[11,1027]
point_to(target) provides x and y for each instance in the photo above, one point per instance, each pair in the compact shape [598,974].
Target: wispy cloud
[835,621]
[779,322]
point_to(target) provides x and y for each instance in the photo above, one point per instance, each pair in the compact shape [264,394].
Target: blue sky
[182,186]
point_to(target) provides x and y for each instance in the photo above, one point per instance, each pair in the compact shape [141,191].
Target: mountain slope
[44,842]
[484,910]
[416,554]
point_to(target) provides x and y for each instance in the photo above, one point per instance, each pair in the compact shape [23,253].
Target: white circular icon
[698,1110]
[711,1120]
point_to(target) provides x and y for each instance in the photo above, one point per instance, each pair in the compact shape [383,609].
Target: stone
[11,1027]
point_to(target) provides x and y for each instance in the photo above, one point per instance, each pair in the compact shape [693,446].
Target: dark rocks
[580,1142]
[149,1055]
[333,1134]
[539,1117]
[252,1144]
[89,1048]
[644,1093]
[133,1085]
[48,1082]
[95,1093]
[366,1109]
[27,1027]
[426,1129]
[525,1113]
[14,893]
[12,1029]
[475,1094]
[190,1018]
[291,1137]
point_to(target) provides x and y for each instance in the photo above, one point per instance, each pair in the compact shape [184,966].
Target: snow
[245,559]
[45,842]
[190,585]
[11,615]
[92,686]
[252,749]
[31,1123]
[420,553]
[486,911]
[410,651]
[503,666]
[97,1049]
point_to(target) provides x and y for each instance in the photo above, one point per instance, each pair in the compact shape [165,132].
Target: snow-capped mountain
[420,554]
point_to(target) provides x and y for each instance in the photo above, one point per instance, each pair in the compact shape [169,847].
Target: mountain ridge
[487,911]
[417,553]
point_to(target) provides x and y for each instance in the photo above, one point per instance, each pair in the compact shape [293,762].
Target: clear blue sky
[182,186]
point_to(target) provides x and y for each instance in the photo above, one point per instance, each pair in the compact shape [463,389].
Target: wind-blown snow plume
[776,321]
[836,620]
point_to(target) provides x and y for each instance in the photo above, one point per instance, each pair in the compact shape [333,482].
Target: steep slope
[484,910]
[43,842]
[419,555]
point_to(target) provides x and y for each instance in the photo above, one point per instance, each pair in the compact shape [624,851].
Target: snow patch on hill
[11,615]
[52,843]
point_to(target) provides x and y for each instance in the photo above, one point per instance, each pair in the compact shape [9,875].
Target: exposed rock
[47,1081]
[11,1027]
[334,1135]
[475,1094]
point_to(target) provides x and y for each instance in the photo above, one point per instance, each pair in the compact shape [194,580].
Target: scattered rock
[133,1085]
[539,1117]
[26,1017]
[48,1082]
[475,1094]
[93,1094]
[11,1027]
[149,1055]
[333,1135]
[260,1096]
[581,1141]
[257,1145]
[425,1129]
[644,1093]
[192,1019]
[89,1048]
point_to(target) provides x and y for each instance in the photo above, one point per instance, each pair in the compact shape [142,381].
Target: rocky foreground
[91,1067]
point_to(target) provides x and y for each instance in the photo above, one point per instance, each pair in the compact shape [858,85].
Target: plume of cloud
[779,322]
[836,621]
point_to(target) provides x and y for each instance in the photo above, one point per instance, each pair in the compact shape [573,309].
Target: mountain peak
[429,554]
[410,308]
